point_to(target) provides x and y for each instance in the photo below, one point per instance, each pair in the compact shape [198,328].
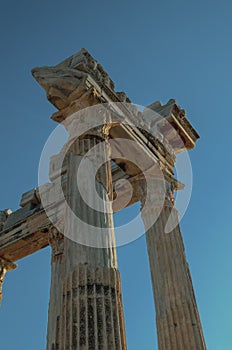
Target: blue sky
[153,50]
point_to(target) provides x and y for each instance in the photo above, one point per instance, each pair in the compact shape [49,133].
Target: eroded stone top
[64,82]
[80,81]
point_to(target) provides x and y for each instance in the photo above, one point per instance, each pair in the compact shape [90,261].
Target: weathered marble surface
[177,318]
[65,82]
[85,307]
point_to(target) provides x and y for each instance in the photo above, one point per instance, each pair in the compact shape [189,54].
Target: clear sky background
[153,50]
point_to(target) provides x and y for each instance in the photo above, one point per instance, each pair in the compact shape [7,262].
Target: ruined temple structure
[85,307]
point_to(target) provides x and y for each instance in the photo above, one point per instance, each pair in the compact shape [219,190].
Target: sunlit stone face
[64,82]
[59,83]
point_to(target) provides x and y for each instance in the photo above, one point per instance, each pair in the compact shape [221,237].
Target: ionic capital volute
[154,193]
[5,266]
[56,241]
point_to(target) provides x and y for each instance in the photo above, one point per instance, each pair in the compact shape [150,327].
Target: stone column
[5,266]
[177,317]
[56,241]
[86,302]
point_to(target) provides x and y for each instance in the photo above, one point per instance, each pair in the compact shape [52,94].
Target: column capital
[5,266]
[94,121]
[56,241]
[154,192]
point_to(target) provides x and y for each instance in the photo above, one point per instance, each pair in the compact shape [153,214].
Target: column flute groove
[177,318]
[88,276]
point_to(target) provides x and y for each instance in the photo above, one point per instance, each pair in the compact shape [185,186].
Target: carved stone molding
[65,82]
[4,214]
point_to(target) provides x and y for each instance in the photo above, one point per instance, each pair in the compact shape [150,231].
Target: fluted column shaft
[87,313]
[177,317]
[56,240]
